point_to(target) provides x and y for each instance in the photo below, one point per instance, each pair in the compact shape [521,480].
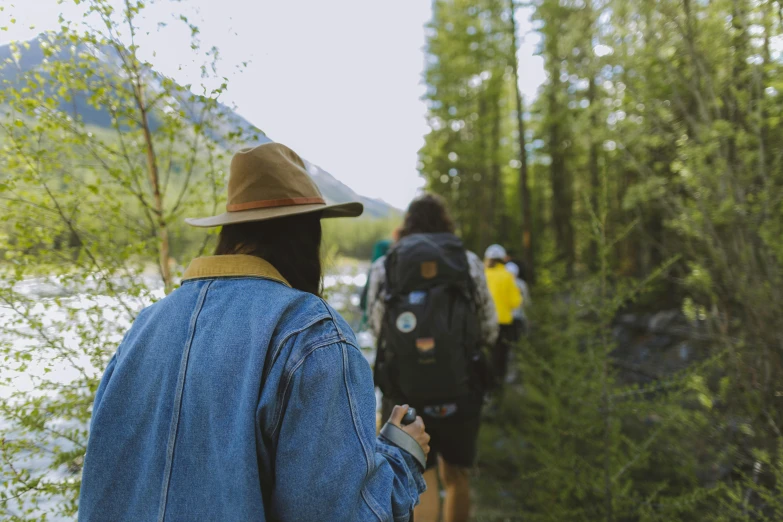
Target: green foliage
[578,440]
[356,237]
[89,222]
[665,115]
[656,165]
[468,153]
[758,495]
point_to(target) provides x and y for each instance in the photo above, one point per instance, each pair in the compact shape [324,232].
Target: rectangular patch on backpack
[429,269]
[417,298]
[426,348]
[441,411]
[425,344]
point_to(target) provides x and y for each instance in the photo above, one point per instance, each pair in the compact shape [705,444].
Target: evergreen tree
[655,162]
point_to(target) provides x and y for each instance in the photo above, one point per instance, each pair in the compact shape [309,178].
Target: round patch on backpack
[406,322]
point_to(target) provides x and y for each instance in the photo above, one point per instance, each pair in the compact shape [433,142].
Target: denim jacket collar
[232,266]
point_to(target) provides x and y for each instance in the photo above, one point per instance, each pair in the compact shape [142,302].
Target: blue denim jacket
[237,398]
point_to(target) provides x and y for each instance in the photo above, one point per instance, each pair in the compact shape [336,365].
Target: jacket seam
[334,319]
[365,496]
[178,403]
[292,333]
[386,452]
[374,506]
[308,351]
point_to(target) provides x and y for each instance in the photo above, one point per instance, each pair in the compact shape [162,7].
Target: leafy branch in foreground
[101,158]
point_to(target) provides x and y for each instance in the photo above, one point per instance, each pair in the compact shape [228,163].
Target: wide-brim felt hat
[271,181]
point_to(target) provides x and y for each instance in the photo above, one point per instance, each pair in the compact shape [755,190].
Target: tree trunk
[157,198]
[765,165]
[562,198]
[524,187]
[496,196]
[592,167]
[485,187]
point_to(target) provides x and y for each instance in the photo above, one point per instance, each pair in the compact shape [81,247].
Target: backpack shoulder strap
[389,265]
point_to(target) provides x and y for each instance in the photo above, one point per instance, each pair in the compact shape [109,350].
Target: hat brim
[263,214]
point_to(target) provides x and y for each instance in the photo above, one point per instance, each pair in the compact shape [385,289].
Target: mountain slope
[32,57]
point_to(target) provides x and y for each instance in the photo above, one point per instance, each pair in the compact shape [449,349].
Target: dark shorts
[453,437]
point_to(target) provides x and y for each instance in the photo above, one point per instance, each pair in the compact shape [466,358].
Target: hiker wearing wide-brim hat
[243,395]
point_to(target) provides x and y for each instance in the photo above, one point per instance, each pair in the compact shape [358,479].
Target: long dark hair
[427,214]
[291,244]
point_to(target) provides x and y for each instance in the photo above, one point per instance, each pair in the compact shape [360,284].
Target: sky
[338,81]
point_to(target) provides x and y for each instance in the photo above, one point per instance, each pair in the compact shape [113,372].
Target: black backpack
[430,333]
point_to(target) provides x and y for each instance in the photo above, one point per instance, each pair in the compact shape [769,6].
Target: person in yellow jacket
[507,297]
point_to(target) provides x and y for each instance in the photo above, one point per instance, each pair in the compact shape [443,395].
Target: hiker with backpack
[507,297]
[432,313]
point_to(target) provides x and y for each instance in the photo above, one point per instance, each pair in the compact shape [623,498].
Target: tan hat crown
[271,175]
[271,181]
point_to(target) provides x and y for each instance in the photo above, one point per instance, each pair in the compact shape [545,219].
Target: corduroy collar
[232,266]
